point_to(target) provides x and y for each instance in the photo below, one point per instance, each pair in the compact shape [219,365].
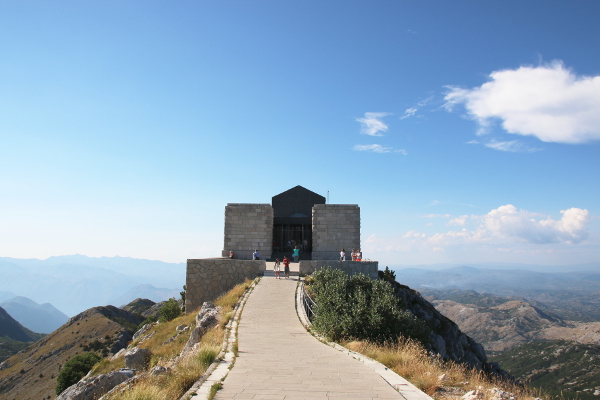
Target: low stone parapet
[369,268]
[208,278]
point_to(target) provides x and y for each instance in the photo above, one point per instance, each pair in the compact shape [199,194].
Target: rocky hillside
[501,324]
[557,366]
[31,374]
[447,338]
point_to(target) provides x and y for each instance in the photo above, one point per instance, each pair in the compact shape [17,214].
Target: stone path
[279,359]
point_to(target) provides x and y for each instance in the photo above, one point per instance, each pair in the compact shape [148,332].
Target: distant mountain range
[75,283]
[14,337]
[41,318]
[586,267]
[32,373]
[501,323]
[572,296]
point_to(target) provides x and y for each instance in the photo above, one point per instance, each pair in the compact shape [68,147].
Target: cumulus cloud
[548,102]
[372,124]
[507,224]
[437,215]
[507,221]
[460,221]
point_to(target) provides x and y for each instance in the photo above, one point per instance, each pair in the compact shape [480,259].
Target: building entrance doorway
[287,236]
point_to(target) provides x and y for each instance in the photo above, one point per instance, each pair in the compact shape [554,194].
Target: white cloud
[507,226]
[375,148]
[409,112]
[414,235]
[437,215]
[460,221]
[548,102]
[372,124]
[507,221]
[513,146]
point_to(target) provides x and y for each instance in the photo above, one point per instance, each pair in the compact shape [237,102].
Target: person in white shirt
[255,255]
[343,255]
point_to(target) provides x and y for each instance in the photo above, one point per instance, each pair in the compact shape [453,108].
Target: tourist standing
[277,268]
[343,255]
[286,267]
[256,255]
[231,254]
[296,254]
[353,254]
[359,255]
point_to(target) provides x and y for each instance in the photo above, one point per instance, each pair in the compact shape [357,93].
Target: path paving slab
[279,359]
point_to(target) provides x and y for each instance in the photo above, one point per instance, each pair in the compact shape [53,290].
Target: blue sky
[468,132]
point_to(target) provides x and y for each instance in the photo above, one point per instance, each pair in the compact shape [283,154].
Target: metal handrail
[308,303]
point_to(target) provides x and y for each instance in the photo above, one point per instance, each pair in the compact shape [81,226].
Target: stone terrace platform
[279,359]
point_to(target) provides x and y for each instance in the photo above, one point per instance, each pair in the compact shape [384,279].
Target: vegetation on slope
[364,318]
[561,368]
[165,346]
[359,308]
[75,369]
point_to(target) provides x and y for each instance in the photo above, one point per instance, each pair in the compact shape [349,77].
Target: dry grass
[105,366]
[187,371]
[410,360]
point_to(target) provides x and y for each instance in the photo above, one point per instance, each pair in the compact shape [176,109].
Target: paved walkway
[279,359]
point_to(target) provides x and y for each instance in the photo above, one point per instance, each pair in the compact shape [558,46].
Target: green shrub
[169,311]
[360,308]
[75,369]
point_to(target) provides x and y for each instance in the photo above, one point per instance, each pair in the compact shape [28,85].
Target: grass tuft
[411,360]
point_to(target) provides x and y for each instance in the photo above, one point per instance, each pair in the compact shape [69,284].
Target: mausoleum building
[297,217]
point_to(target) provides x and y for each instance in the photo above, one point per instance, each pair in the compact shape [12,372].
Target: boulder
[159,370]
[142,331]
[118,354]
[94,387]
[473,395]
[206,318]
[137,358]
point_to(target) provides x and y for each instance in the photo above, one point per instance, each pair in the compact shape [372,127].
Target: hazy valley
[543,328]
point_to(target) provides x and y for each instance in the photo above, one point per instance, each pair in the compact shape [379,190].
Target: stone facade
[349,267]
[335,227]
[208,278]
[248,227]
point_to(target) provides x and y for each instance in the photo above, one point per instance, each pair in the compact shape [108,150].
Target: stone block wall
[248,227]
[335,227]
[208,278]
[369,268]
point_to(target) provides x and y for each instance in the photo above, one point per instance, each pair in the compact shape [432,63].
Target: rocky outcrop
[137,358]
[139,306]
[111,312]
[94,387]
[206,318]
[447,339]
[123,337]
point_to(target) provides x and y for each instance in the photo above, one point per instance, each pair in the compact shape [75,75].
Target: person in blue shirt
[296,254]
